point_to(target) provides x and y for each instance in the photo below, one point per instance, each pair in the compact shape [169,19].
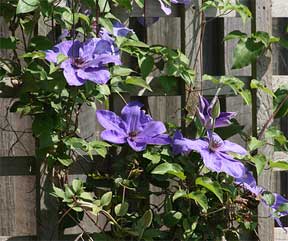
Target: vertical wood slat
[17,193]
[191,46]
[231,24]
[263,108]
[235,103]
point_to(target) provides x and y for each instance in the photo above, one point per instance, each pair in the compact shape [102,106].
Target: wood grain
[17,200]
[263,108]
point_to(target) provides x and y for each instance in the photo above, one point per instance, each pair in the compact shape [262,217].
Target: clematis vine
[133,127]
[214,152]
[167,8]
[85,61]
[249,182]
[205,115]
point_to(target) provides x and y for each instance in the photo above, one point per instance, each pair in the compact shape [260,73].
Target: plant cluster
[205,184]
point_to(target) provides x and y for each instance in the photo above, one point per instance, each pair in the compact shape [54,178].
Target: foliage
[203,183]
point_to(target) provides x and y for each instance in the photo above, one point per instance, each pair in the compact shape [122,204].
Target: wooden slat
[235,103]
[152,9]
[280,8]
[263,71]
[279,80]
[280,234]
[191,45]
[17,166]
[231,24]
[17,238]
[17,199]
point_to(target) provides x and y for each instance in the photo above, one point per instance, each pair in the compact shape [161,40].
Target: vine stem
[260,136]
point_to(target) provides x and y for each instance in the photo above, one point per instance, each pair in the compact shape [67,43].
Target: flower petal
[131,116]
[113,136]
[249,182]
[224,119]
[103,47]
[110,121]
[71,75]
[166,9]
[153,128]
[136,146]
[61,48]
[184,145]
[104,59]
[96,75]
[230,166]
[162,139]
[203,105]
[229,146]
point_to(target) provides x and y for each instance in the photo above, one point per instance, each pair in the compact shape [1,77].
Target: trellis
[28,213]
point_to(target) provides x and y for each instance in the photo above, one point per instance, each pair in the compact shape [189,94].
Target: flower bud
[215,112]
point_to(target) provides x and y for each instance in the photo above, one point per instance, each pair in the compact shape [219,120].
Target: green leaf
[154,157]
[280,102]
[254,144]
[276,134]
[61,58]
[143,223]
[106,23]
[179,194]
[235,35]
[121,209]
[104,6]
[137,81]
[268,197]
[58,192]
[146,64]
[26,6]
[200,198]
[86,196]
[106,199]
[214,187]
[260,162]
[283,208]
[172,218]
[8,43]
[75,142]
[170,168]
[256,84]
[118,70]
[279,164]
[65,161]
[77,185]
[40,43]
[147,218]
[246,52]
[104,89]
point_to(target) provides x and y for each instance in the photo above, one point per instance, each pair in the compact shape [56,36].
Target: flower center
[133,134]
[78,62]
[214,144]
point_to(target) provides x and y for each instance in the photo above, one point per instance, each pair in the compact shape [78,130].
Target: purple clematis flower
[85,61]
[167,8]
[205,115]
[249,182]
[214,152]
[119,29]
[279,200]
[133,127]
